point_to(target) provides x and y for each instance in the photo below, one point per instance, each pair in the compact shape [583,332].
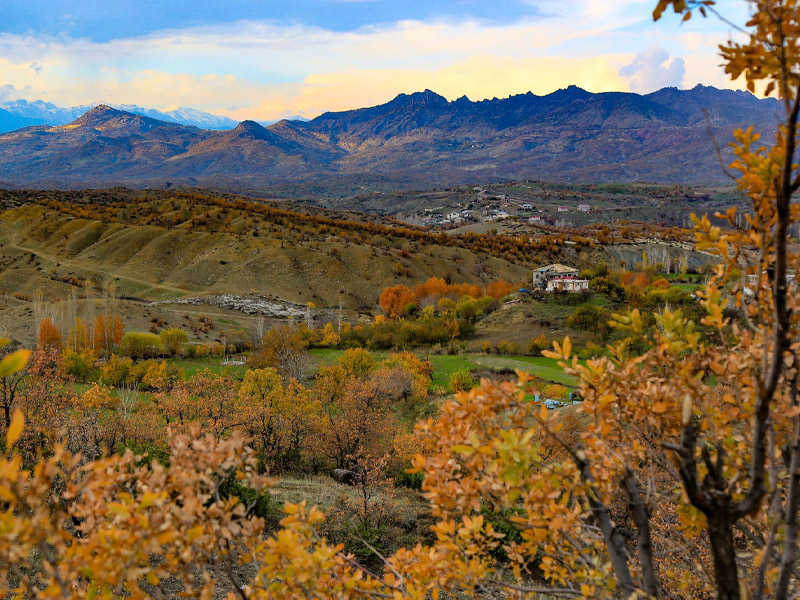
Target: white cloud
[652,69]
[8,92]
[264,70]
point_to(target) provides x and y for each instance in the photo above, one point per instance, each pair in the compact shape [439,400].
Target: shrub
[140,345]
[172,340]
[461,381]
[537,344]
[117,370]
[591,350]
[590,318]
[78,365]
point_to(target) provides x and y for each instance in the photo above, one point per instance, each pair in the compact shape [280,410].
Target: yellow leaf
[15,429]
[13,362]
[194,533]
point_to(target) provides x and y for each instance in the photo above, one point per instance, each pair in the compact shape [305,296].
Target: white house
[501,214]
[555,271]
[536,219]
[453,215]
[527,206]
[567,284]
[563,209]
[584,208]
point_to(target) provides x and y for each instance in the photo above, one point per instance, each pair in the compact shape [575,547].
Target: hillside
[569,135]
[155,246]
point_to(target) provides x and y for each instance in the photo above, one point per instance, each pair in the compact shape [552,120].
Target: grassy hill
[159,246]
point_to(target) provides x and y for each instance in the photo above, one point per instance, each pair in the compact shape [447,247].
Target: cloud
[266,70]
[8,92]
[652,70]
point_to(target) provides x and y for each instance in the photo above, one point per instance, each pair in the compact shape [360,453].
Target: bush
[117,370]
[140,345]
[79,366]
[461,381]
[590,318]
[172,340]
[538,344]
[591,350]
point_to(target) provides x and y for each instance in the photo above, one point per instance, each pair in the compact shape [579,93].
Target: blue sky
[272,58]
[102,21]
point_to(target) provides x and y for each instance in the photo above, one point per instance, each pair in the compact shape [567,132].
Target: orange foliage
[49,335]
[498,289]
[107,334]
[394,299]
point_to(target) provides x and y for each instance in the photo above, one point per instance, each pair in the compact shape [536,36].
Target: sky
[268,59]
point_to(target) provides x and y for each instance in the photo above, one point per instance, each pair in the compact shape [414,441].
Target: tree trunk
[720,533]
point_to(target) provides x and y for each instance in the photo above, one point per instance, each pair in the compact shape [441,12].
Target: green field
[446,364]
[214,365]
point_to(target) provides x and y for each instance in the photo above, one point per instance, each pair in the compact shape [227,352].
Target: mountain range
[16,114]
[421,139]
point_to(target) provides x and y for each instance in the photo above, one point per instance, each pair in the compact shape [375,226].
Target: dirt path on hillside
[55,259]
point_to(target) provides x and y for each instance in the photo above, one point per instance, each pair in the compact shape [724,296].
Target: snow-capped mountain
[22,113]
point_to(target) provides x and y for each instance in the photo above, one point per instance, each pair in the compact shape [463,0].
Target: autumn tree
[498,289]
[108,332]
[172,340]
[49,334]
[204,400]
[278,418]
[283,348]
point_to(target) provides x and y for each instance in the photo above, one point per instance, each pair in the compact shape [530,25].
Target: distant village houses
[584,208]
[563,209]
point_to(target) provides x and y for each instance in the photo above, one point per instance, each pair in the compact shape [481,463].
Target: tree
[283,348]
[172,340]
[49,334]
[279,418]
[498,289]
[329,336]
[108,332]
[140,345]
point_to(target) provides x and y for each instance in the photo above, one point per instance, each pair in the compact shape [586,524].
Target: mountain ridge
[569,135]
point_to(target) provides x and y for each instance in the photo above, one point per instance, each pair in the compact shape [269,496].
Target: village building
[527,206]
[584,208]
[555,271]
[567,284]
[563,209]
[536,219]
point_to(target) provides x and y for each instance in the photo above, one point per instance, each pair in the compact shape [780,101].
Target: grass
[544,368]
[688,287]
[192,366]
[445,365]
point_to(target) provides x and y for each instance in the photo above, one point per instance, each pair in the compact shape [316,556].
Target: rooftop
[556,268]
